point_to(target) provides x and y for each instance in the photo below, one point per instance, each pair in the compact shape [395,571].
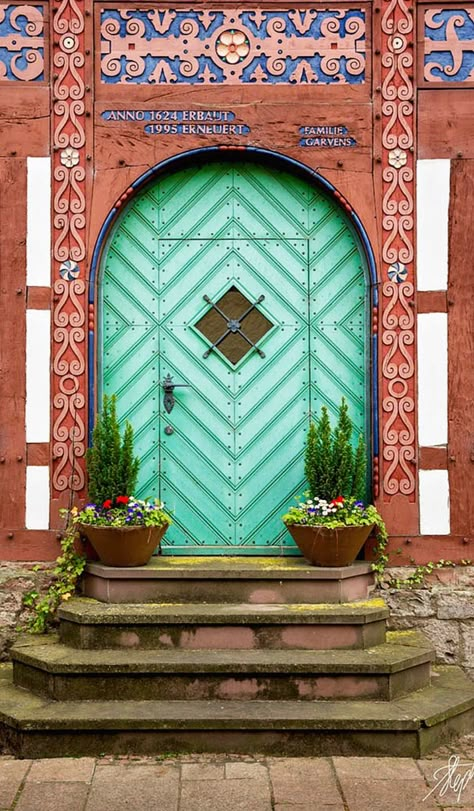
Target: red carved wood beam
[71,103]
[398,389]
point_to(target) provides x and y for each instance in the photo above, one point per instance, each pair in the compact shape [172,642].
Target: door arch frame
[277,159]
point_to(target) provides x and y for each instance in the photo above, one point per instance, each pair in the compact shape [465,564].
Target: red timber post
[72,76]
[395,26]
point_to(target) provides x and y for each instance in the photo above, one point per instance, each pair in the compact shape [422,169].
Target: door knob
[168,388]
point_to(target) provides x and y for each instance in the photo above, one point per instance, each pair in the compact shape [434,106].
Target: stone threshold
[88,611]
[261,568]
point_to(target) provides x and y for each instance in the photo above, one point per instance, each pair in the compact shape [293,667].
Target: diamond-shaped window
[234,325]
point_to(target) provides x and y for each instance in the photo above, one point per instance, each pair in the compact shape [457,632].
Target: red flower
[338,500]
[107,504]
[122,499]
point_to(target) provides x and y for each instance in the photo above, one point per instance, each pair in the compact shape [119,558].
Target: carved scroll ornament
[69,220]
[398,369]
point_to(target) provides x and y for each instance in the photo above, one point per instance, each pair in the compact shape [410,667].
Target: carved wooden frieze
[233,46]
[21,43]
[448,45]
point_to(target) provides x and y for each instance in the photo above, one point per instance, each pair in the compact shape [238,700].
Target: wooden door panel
[229,458]
[131,371]
[339,312]
[266,205]
[196,203]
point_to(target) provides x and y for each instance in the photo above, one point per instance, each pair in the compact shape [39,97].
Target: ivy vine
[380,551]
[68,568]
[421,571]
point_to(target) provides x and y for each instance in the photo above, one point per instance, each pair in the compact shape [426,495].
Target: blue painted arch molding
[264,156]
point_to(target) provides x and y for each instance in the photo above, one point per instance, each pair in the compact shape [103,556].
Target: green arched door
[248,286]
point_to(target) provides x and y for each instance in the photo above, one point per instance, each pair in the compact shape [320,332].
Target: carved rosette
[69,220]
[398,318]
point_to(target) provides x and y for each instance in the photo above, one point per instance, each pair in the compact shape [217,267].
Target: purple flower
[359,504]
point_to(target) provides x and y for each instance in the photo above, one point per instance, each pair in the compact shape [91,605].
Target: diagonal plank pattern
[231,459]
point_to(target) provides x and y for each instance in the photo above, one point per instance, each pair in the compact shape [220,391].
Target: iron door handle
[168,387]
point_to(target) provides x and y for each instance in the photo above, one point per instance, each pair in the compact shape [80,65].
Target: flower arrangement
[113,471]
[334,511]
[123,511]
[339,512]
[123,530]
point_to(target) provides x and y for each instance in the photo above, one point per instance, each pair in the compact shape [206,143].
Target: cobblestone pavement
[238,783]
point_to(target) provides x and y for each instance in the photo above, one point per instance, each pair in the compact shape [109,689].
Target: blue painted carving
[233,46]
[449,45]
[21,43]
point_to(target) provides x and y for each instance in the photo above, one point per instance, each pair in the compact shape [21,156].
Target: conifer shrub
[111,464]
[337,492]
[332,467]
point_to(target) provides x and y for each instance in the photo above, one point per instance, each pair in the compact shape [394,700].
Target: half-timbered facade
[308,174]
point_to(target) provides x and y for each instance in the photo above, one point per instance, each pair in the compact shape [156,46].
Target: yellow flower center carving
[232,46]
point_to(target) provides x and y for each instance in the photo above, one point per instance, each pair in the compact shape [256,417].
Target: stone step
[87,623]
[228,580]
[32,727]
[384,672]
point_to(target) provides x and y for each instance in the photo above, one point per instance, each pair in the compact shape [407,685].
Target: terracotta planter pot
[123,546]
[322,546]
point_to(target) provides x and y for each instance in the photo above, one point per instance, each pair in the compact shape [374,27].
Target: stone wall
[15,580]
[442,608]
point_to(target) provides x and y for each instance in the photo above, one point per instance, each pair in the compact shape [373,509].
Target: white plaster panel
[434,502]
[432,342]
[38,222]
[38,348]
[37,497]
[432,189]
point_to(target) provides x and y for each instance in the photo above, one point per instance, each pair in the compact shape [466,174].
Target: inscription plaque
[181,122]
[326,136]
